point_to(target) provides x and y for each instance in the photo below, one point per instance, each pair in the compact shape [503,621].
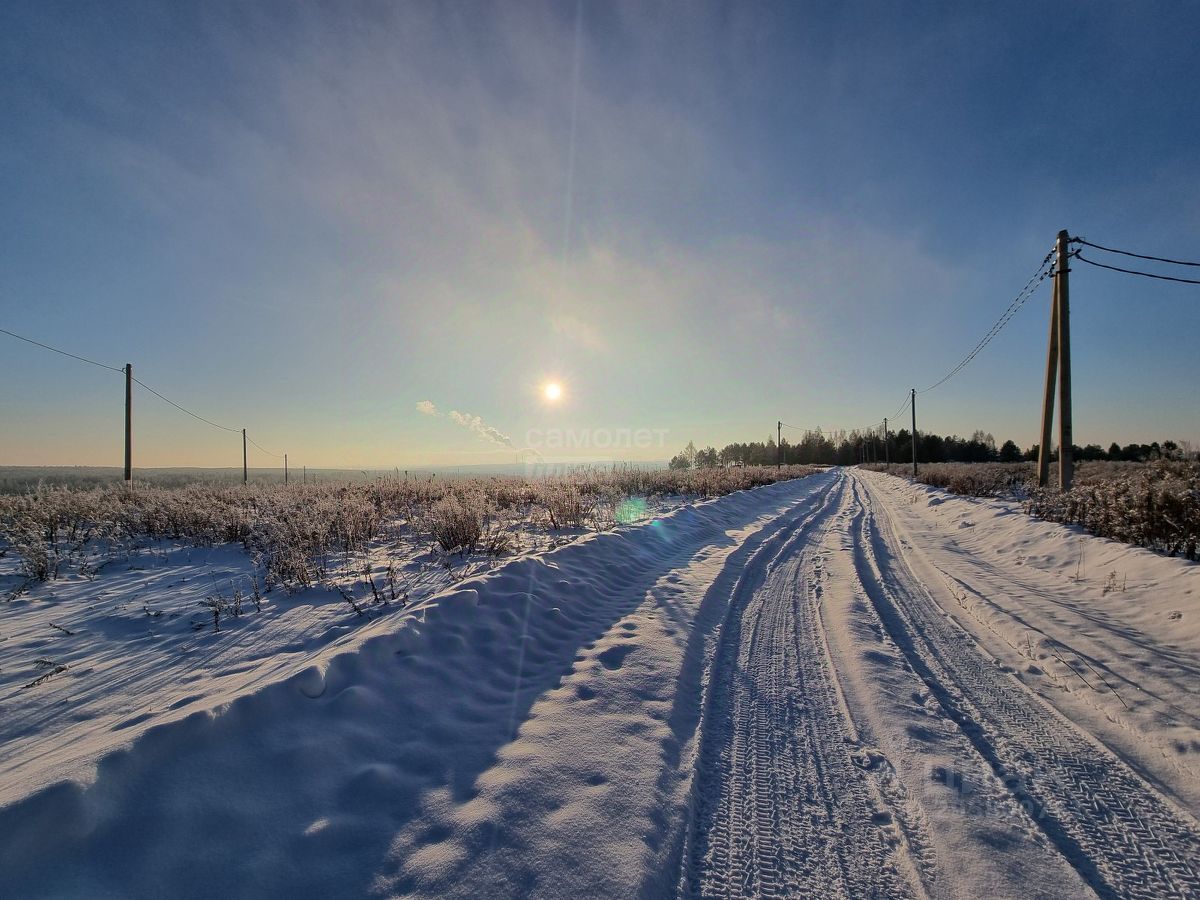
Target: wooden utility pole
[887,453]
[285,468]
[245,471]
[778,445]
[1066,461]
[1058,369]
[1048,394]
[914,433]
[129,425]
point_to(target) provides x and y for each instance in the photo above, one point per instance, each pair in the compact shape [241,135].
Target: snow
[135,647]
[837,686]
[1107,633]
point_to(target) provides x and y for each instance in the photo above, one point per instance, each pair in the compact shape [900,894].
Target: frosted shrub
[968,479]
[39,560]
[285,553]
[1154,504]
[458,523]
[565,506]
[294,530]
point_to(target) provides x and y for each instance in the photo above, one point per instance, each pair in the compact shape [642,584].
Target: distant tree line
[849,448]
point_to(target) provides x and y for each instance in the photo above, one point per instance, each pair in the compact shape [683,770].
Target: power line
[1135,272]
[812,430]
[184,409]
[1162,259]
[56,350]
[1026,292]
[263,449]
[121,370]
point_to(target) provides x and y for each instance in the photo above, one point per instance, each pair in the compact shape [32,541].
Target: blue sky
[306,219]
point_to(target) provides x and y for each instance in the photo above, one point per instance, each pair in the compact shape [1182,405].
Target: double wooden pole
[1058,369]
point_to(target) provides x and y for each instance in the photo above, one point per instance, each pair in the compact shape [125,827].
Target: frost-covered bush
[458,522]
[1152,504]
[297,531]
[565,505]
[39,558]
[968,479]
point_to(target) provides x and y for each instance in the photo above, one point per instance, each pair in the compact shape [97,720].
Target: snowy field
[843,685]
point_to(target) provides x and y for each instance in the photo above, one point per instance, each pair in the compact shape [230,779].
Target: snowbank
[541,699]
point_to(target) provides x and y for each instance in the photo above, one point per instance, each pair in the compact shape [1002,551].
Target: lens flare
[552,391]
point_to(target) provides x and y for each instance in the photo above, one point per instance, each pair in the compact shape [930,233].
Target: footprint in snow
[868,758]
[614,657]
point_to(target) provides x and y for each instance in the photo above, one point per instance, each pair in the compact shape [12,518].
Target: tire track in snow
[1121,835]
[781,809]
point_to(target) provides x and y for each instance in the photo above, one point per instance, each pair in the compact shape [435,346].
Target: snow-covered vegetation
[694,682]
[1152,504]
[296,533]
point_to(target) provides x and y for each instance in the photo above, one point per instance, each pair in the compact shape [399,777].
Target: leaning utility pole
[778,445]
[244,470]
[129,425]
[914,434]
[1058,368]
[887,455]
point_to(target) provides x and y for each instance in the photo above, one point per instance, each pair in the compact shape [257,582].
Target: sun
[552,391]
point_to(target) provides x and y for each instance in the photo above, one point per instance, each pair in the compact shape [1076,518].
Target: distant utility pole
[914,434]
[887,454]
[285,468]
[245,477]
[778,445]
[129,425]
[1058,367]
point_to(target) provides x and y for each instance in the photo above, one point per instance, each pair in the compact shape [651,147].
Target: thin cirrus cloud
[474,424]
[661,231]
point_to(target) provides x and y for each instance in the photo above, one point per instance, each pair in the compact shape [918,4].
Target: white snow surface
[846,685]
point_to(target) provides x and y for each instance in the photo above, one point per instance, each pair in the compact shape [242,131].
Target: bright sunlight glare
[552,391]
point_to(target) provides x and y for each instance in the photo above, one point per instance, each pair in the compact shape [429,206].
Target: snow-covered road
[794,801]
[841,686]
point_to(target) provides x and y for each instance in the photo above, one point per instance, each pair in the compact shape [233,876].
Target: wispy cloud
[474,424]
[583,333]
[481,428]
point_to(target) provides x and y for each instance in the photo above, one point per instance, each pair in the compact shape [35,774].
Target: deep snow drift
[841,685]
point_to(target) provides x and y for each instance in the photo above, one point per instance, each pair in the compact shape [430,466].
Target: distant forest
[849,448]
